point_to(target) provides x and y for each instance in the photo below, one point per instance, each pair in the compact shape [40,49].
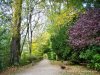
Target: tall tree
[16,24]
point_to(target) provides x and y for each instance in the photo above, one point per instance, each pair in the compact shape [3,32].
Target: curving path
[42,68]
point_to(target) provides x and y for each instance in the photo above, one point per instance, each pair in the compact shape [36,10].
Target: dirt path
[44,67]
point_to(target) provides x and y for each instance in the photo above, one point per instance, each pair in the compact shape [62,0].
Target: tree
[16,24]
[59,31]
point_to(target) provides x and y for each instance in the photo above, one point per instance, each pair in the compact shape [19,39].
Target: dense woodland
[65,30]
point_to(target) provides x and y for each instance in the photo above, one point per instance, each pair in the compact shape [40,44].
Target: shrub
[95,62]
[87,55]
[59,42]
[75,58]
[26,58]
[51,56]
[96,58]
[86,30]
[91,56]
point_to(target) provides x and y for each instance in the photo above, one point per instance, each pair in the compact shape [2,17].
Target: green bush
[87,55]
[51,55]
[26,58]
[67,53]
[92,56]
[95,62]
[75,58]
[96,58]
[97,66]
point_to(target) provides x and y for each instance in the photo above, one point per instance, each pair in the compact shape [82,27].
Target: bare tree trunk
[31,32]
[16,24]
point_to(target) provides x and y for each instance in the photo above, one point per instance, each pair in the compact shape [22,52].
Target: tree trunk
[16,24]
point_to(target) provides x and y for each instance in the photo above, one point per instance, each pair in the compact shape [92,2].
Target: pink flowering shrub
[86,30]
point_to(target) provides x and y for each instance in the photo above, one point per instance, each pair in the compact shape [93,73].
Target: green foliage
[91,55]
[74,58]
[95,62]
[26,58]
[87,55]
[37,53]
[4,48]
[51,56]
[89,52]
[59,32]
[67,53]
[96,58]
[59,42]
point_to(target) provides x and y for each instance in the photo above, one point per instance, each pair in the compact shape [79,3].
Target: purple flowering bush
[84,37]
[86,30]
